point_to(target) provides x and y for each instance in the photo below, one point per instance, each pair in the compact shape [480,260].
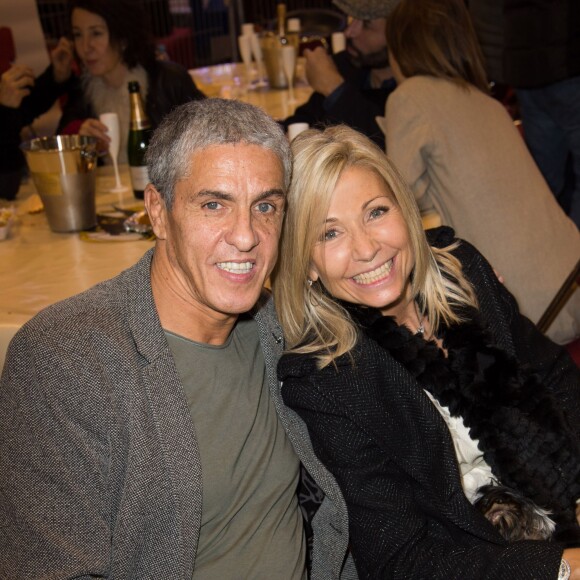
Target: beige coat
[462,155]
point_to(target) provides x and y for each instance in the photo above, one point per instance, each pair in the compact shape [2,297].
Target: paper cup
[295,129]
[247,29]
[338,42]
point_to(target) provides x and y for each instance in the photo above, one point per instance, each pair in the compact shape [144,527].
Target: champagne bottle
[281,13]
[139,133]
[293,33]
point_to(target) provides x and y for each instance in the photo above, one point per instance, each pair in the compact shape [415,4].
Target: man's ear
[155,205]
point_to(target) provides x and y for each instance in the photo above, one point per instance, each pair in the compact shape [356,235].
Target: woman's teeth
[370,277]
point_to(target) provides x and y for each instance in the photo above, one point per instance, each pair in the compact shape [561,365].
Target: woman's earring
[309,282]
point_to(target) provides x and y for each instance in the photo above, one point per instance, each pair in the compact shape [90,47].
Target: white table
[39,267]
[229,82]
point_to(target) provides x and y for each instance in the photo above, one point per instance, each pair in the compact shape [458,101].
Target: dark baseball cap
[366,9]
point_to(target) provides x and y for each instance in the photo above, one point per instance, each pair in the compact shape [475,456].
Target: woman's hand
[94,128]
[572,556]
[61,57]
[15,84]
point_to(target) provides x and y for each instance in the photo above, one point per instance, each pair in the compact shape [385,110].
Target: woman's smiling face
[364,255]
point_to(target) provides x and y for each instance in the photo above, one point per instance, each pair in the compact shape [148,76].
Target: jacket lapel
[331,521]
[168,406]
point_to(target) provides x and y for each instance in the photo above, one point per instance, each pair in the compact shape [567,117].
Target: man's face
[219,241]
[366,42]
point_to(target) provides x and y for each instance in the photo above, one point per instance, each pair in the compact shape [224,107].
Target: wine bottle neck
[139,119]
[281,8]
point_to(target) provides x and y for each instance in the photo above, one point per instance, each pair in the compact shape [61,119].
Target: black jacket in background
[356,106]
[12,121]
[528,43]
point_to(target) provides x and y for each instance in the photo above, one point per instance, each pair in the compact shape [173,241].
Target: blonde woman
[417,377]
[459,150]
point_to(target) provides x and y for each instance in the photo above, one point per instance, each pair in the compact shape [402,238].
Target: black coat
[12,121]
[528,43]
[376,430]
[357,104]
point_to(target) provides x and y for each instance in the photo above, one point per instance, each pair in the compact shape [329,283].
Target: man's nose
[353,28]
[242,233]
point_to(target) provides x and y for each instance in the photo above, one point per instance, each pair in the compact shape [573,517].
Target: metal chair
[568,288]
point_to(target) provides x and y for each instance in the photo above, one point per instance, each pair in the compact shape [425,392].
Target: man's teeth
[236,267]
[370,277]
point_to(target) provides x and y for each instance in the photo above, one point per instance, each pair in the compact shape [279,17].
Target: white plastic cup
[293,25]
[247,29]
[294,129]
[338,42]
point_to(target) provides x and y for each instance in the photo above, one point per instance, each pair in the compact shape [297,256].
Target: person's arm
[15,84]
[409,142]
[75,110]
[321,71]
[391,535]
[55,81]
[535,352]
[339,97]
[55,508]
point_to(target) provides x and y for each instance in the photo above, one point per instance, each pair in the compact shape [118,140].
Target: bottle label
[139,177]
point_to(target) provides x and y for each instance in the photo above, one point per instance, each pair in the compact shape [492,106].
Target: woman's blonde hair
[312,320]
[436,38]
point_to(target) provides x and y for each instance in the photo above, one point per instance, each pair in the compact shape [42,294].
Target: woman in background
[114,47]
[462,155]
[417,377]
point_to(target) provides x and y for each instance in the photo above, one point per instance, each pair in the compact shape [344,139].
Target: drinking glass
[338,42]
[289,65]
[111,120]
[245,45]
[247,29]
[259,58]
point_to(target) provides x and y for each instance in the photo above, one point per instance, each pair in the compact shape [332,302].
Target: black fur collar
[525,438]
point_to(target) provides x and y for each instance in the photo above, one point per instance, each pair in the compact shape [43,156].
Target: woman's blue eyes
[377,212]
[374,213]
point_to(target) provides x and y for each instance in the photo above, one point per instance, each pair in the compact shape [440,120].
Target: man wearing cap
[352,86]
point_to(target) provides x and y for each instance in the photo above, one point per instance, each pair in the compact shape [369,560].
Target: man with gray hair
[143,434]
[352,87]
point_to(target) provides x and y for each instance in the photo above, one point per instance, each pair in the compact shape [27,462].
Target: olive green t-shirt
[251,523]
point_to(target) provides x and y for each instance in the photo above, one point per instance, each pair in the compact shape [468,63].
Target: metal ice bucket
[63,171]
[272,51]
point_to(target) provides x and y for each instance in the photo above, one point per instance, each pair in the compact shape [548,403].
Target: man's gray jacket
[100,473]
